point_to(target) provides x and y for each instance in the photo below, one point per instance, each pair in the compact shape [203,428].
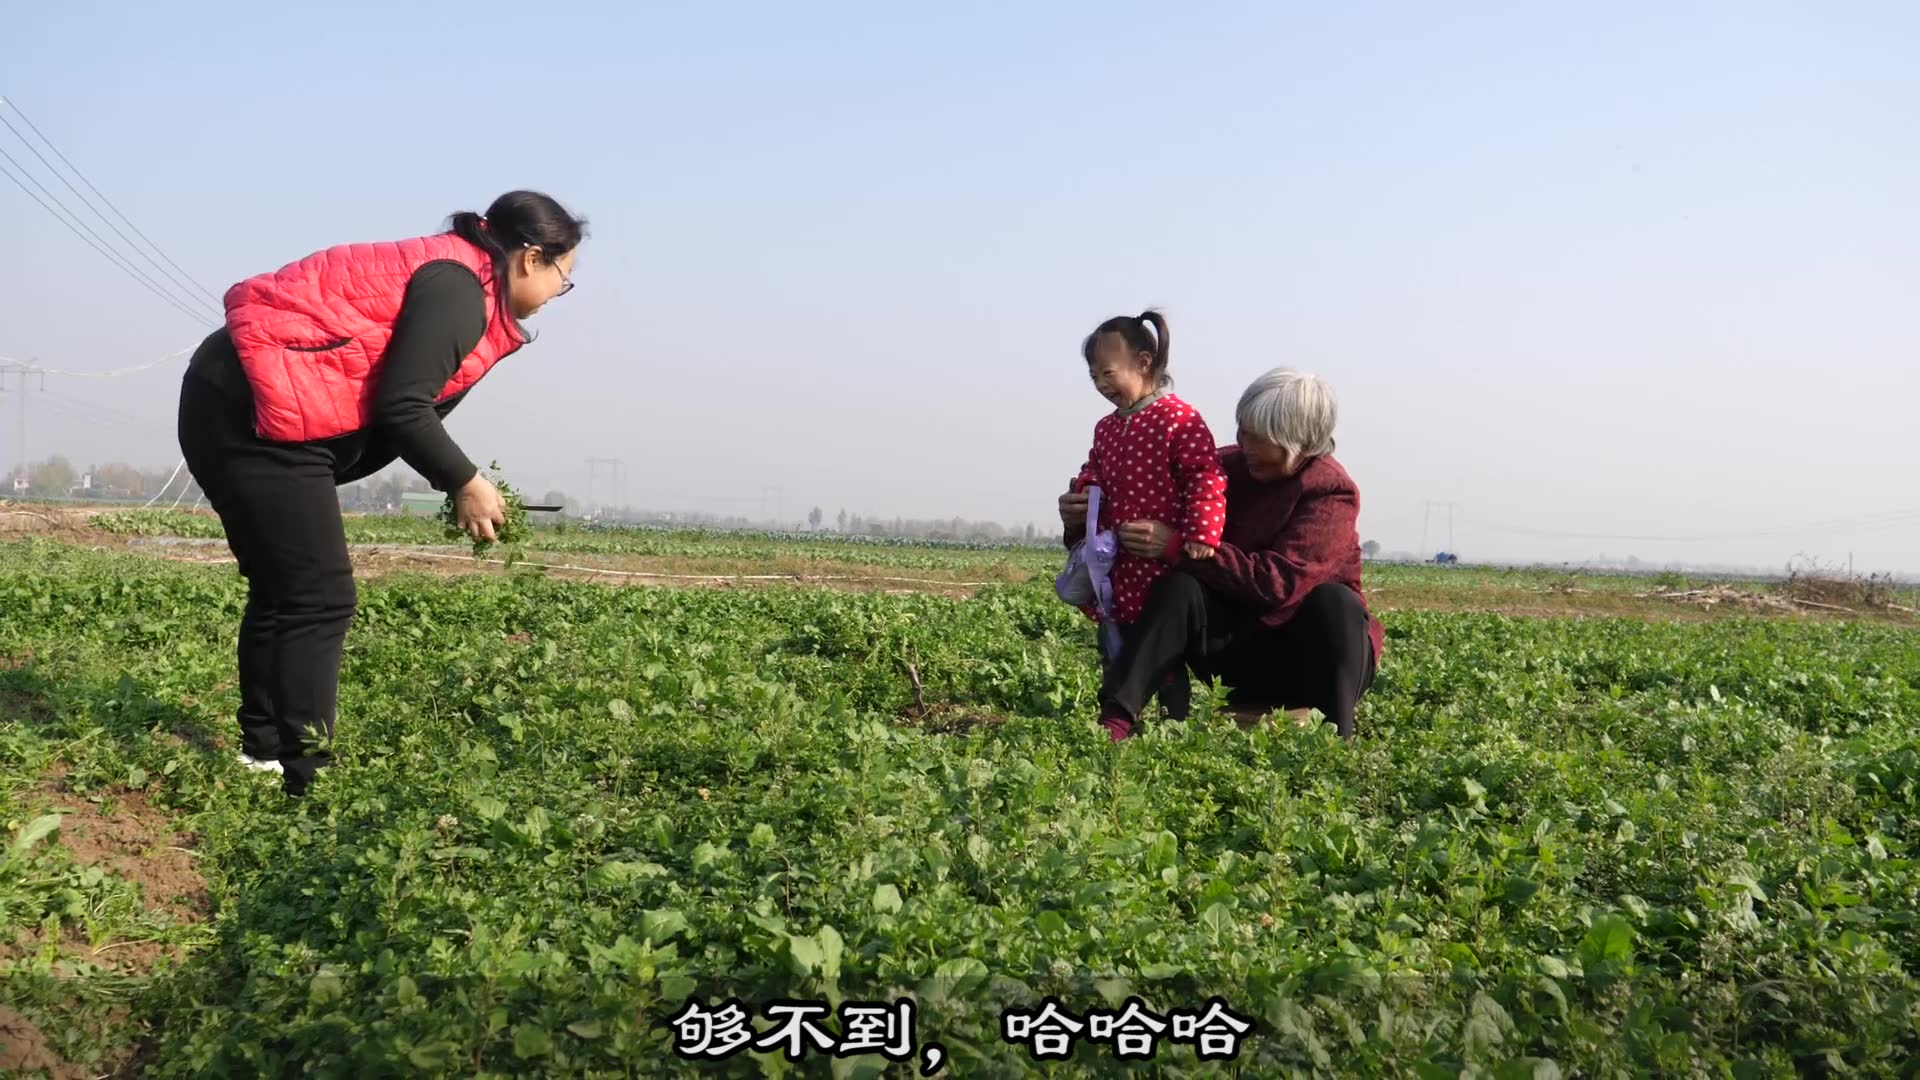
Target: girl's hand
[478,508]
[1198,551]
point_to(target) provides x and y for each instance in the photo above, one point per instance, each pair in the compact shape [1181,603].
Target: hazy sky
[1641,271]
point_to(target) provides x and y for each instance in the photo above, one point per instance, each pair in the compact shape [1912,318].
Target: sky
[1622,279]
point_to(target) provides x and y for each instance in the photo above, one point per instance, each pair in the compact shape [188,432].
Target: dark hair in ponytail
[516,220]
[1145,332]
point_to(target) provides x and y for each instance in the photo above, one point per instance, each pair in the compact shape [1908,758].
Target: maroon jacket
[1284,538]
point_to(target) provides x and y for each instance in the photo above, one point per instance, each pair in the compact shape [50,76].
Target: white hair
[1292,409]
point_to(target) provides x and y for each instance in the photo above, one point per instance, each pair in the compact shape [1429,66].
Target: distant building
[423,503]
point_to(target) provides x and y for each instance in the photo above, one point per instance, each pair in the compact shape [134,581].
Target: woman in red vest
[327,371]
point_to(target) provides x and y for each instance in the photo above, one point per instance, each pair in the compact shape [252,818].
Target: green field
[1586,845]
[577,538]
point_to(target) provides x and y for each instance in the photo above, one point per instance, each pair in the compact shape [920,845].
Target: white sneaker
[257,765]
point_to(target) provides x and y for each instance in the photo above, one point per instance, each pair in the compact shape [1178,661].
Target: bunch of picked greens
[512,534]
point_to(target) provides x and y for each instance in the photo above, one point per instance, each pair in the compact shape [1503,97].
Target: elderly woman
[1277,613]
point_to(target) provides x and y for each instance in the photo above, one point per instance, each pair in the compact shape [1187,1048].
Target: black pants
[282,517]
[1322,658]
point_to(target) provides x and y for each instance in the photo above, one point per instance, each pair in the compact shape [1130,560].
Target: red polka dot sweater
[1157,464]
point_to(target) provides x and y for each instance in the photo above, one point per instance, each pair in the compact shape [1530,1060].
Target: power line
[87,410]
[95,412]
[616,469]
[79,408]
[11,104]
[123,262]
[111,373]
[20,468]
[91,412]
[125,267]
[186,287]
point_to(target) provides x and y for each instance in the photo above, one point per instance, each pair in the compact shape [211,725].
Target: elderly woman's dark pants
[281,513]
[1322,658]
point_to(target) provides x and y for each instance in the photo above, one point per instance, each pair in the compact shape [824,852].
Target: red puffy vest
[312,335]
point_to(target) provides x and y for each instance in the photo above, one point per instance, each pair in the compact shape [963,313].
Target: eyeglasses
[566,283]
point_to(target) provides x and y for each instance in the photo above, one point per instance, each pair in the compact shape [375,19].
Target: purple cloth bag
[1088,576]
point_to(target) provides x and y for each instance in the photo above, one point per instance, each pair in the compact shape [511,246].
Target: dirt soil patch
[75,525]
[377,561]
[55,522]
[1559,601]
[23,1049]
[374,561]
[947,719]
[127,836]
[1727,597]
[136,841]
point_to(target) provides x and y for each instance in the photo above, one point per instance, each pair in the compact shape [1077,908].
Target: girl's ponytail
[1161,341]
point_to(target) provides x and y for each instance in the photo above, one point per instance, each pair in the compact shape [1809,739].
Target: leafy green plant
[510,535]
[159,523]
[1558,846]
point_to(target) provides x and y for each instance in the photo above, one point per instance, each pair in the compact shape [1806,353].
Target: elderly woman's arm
[1316,541]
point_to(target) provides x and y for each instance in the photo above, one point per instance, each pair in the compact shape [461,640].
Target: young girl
[1153,457]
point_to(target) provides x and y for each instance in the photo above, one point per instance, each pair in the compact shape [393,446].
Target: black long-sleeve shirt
[442,318]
